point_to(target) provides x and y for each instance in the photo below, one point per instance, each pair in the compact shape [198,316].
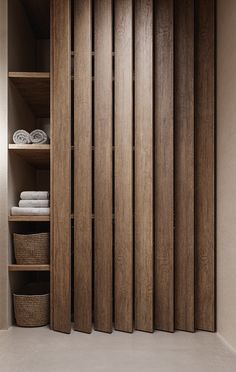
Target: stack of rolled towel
[32,203]
[38,136]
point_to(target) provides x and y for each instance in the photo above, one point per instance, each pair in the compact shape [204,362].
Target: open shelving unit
[28,109]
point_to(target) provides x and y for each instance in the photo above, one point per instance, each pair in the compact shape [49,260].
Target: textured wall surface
[226,170]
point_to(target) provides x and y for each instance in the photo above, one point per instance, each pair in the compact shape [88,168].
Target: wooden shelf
[29,267]
[31,218]
[35,89]
[28,218]
[36,155]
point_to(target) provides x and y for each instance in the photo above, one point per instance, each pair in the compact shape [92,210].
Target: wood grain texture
[103,166]
[60,166]
[184,165]
[29,267]
[144,165]
[205,165]
[35,89]
[29,218]
[123,166]
[83,166]
[164,164]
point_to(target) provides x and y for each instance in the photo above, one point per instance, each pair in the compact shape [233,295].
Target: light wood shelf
[29,267]
[36,155]
[35,89]
[28,218]
[31,218]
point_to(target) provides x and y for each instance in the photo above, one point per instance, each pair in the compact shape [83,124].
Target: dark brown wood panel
[205,165]
[164,163]
[60,166]
[83,166]
[144,165]
[184,165]
[103,166]
[123,166]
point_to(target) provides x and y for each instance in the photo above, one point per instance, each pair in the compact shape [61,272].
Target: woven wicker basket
[31,305]
[32,249]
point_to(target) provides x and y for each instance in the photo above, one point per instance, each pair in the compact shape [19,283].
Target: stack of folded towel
[38,136]
[32,203]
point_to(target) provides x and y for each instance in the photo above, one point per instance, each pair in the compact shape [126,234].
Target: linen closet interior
[125,90]
[28,108]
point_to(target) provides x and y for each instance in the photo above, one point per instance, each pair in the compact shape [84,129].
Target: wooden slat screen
[123,166]
[184,164]
[60,166]
[164,165]
[144,165]
[205,165]
[103,164]
[83,165]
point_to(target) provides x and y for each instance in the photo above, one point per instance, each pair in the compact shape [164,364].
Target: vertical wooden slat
[103,166]
[144,165]
[60,166]
[204,165]
[164,173]
[83,166]
[123,166]
[184,165]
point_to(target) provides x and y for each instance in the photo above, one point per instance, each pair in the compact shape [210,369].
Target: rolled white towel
[34,203]
[21,137]
[34,195]
[17,211]
[38,136]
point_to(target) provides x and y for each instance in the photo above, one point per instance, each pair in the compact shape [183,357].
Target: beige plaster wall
[226,170]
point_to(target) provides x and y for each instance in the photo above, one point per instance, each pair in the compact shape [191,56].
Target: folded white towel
[38,136]
[34,203]
[17,211]
[34,195]
[21,137]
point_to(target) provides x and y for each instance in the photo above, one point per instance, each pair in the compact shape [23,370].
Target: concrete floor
[41,350]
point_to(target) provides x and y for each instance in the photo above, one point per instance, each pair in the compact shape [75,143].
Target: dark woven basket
[32,249]
[31,305]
